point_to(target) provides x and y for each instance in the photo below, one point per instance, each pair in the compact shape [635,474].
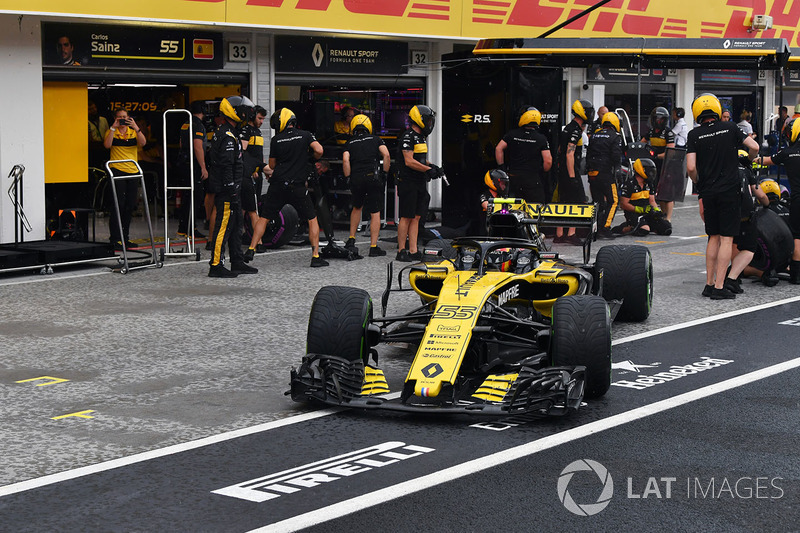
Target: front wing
[337,381]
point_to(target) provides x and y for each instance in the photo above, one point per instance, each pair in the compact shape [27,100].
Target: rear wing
[550,216]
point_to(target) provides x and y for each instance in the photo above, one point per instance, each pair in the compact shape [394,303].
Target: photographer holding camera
[123,140]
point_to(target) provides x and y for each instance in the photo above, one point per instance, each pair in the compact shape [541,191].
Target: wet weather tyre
[581,336]
[627,276]
[281,230]
[775,242]
[338,323]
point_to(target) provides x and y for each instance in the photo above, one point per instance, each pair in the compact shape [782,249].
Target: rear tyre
[281,230]
[775,242]
[627,276]
[338,323]
[581,336]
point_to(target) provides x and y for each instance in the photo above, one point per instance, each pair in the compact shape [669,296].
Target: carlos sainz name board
[94,45]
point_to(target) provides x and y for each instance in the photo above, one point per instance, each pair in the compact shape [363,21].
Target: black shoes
[376,251]
[318,262]
[404,256]
[219,271]
[242,268]
[351,243]
[707,290]
[722,294]
[574,240]
[249,255]
[733,285]
[606,234]
[261,248]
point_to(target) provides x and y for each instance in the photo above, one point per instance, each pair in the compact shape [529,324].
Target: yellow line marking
[689,253]
[79,414]
[52,380]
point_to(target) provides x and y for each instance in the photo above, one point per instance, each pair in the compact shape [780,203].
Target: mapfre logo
[326,471]
[480,119]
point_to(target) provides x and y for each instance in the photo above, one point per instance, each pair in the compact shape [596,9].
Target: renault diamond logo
[317,55]
[432,370]
[727,43]
[466,118]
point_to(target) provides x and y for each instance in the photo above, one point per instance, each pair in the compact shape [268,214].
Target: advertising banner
[468,19]
[335,55]
[80,45]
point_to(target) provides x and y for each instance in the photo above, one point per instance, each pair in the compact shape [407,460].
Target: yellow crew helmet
[282,118]
[584,109]
[531,115]
[706,106]
[645,168]
[237,108]
[424,117]
[360,123]
[611,118]
[497,180]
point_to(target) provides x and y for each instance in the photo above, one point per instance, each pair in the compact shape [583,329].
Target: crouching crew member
[603,158]
[227,172]
[660,137]
[288,159]
[364,156]
[525,154]
[746,243]
[789,157]
[638,201]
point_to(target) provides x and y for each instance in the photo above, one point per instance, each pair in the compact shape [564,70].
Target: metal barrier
[126,266]
[190,240]
[15,193]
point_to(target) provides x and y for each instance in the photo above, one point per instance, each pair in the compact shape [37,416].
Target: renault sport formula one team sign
[78,45]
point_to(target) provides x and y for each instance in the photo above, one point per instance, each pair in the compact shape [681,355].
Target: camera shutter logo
[585,509]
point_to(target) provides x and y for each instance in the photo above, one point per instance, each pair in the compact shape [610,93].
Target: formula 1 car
[505,327]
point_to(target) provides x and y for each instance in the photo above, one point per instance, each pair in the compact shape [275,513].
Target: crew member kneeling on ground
[227,172]
[642,214]
[789,157]
[288,159]
[745,243]
[364,156]
[525,154]
[603,158]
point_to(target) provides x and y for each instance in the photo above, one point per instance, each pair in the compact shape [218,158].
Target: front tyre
[627,276]
[338,322]
[581,336]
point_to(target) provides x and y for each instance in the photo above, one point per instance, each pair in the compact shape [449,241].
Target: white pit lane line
[476,465]
[394,492]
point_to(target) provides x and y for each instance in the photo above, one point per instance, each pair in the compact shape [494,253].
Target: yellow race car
[503,328]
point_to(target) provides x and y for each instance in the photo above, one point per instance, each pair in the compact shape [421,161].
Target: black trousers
[227,230]
[606,195]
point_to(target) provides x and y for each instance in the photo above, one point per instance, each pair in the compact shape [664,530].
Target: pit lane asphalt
[158,358]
